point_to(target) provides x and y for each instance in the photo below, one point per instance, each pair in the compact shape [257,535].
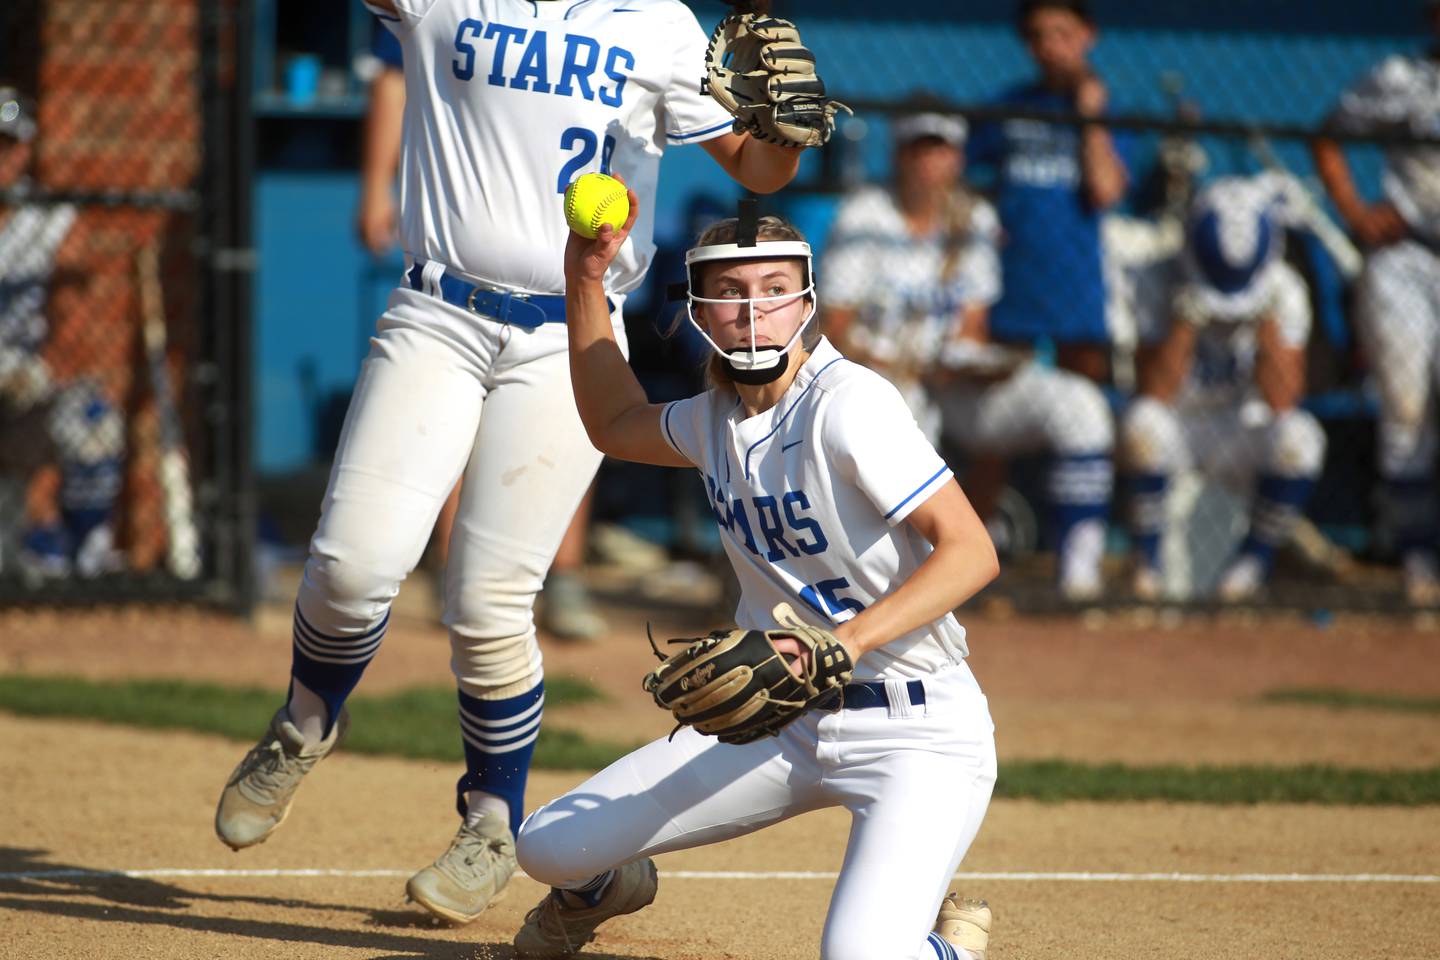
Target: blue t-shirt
[1050,260]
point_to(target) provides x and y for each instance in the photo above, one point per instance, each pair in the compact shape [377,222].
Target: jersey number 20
[584,139]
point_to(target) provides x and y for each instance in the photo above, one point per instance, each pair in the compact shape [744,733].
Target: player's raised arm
[618,418]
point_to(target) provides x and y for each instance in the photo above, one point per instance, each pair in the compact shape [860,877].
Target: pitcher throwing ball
[506,103]
[852,543]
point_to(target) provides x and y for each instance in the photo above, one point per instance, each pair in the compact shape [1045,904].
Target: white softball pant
[444,392]
[1399,321]
[1233,444]
[916,779]
[1036,409]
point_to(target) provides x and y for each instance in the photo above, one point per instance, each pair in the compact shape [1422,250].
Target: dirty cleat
[469,876]
[965,923]
[557,929]
[257,796]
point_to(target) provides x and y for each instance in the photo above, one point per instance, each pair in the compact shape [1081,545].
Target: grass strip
[418,723]
[1059,780]
[1353,700]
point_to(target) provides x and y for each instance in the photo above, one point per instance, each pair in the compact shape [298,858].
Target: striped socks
[328,666]
[499,739]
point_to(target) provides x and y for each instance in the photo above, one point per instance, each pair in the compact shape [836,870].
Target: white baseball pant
[916,779]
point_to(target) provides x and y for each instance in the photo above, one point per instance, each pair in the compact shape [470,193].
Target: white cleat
[964,922]
[1242,580]
[469,876]
[257,797]
[555,928]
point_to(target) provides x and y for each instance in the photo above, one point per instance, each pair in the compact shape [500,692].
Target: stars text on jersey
[522,58]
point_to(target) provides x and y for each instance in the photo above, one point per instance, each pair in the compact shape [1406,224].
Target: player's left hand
[587,259]
[1091,96]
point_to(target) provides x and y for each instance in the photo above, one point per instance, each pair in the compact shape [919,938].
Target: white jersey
[906,296]
[1222,369]
[29,240]
[811,498]
[1402,94]
[507,101]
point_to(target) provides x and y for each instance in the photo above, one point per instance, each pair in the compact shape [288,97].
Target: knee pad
[1150,438]
[1297,445]
[1080,423]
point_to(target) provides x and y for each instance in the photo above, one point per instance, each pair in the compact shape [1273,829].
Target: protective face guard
[751,358]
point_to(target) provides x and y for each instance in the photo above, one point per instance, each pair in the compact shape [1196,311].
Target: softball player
[1223,330]
[506,102]
[1398,302]
[829,498]
[910,275]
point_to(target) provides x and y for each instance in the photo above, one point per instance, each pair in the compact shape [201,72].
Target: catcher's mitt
[758,69]
[736,686]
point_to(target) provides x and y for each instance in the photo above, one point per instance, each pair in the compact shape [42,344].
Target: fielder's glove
[758,69]
[736,686]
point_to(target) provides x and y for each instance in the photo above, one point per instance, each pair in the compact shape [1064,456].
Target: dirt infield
[85,796]
[80,796]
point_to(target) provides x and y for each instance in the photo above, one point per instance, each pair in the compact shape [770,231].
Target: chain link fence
[118,474]
[1209,383]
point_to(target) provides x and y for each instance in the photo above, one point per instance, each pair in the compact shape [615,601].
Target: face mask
[754,365]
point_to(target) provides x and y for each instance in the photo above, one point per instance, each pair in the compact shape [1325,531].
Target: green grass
[1353,700]
[1057,780]
[420,724]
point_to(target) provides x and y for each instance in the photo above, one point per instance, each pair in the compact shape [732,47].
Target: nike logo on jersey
[521,59]
[782,524]
[792,443]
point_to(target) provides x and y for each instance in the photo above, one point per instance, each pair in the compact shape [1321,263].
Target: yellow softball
[593,200]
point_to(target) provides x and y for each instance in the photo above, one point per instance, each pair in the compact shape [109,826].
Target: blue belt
[873,693]
[528,310]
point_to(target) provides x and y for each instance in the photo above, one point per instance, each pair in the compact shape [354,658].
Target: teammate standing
[1398,303]
[506,102]
[829,499]
[1223,330]
[1053,184]
[909,279]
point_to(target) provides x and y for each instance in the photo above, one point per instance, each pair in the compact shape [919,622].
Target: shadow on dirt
[30,883]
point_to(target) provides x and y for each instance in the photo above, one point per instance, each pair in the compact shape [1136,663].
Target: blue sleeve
[386,47]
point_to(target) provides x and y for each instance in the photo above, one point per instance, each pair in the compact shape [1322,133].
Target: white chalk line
[1023,876]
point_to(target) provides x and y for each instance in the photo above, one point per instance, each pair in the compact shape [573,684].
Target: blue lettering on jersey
[612,62]
[817,542]
[784,525]
[574,69]
[768,512]
[466,69]
[531,70]
[533,67]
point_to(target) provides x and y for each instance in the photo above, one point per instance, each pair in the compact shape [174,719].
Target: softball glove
[758,69]
[734,684]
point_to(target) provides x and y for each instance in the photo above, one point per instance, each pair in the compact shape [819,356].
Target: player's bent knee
[550,850]
[352,588]
[1081,423]
[1297,445]
[1150,439]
